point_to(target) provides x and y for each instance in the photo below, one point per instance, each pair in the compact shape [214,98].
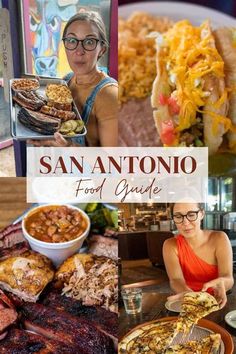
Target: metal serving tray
[19,131]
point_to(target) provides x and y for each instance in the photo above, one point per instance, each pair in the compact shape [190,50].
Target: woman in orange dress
[196,259]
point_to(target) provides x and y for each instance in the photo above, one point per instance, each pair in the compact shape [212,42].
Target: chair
[155,242]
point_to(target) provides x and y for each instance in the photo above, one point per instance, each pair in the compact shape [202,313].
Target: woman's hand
[219,291]
[58,141]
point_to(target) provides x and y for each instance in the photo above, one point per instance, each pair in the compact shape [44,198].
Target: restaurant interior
[143,228]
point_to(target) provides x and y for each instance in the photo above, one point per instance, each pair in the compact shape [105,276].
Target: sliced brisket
[38,122]
[11,235]
[9,229]
[14,250]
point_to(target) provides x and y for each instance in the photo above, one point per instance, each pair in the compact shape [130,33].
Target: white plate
[179,11]
[173,305]
[230,318]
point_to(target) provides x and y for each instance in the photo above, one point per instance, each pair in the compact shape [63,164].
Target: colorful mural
[46,22]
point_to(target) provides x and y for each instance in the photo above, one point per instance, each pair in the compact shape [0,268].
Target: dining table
[153,308]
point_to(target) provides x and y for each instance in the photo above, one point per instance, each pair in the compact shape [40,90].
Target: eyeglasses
[88,44]
[190,216]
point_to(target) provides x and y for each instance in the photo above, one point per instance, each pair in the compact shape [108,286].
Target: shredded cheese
[219,119]
[191,56]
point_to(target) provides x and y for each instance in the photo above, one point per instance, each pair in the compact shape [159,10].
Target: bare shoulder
[170,244]
[219,237]
[110,90]
[107,98]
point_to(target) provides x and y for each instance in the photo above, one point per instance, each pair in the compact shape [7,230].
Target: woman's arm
[174,271]
[58,141]
[224,257]
[106,110]
[108,132]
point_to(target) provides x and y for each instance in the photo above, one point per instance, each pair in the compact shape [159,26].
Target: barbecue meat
[14,251]
[103,246]
[62,106]
[23,342]
[91,279]
[11,235]
[59,113]
[26,275]
[7,317]
[8,314]
[5,301]
[63,327]
[9,229]
[29,99]
[39,122]
[104,320]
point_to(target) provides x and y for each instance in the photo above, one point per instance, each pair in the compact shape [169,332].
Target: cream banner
[74,175]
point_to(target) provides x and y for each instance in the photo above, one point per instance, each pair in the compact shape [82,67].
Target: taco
[226,44]
[190,95]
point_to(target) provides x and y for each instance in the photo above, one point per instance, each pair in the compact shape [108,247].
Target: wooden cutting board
[12,199]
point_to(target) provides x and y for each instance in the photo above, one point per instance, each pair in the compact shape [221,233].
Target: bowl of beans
[57,231]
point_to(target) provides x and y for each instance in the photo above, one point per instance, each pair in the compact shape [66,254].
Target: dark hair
[200,206]
[94,18]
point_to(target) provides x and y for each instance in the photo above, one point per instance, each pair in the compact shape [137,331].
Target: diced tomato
[163,99]
[173,105]
[167,132]
[171,102]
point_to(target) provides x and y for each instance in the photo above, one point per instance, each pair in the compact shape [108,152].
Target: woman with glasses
[197,259]
[94,92]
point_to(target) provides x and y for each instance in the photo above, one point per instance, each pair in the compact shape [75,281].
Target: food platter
[137,105]
[204,328]
[21,131]
[73,325]
[177,11]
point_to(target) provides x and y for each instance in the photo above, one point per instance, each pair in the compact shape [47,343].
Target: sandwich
[192,96]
